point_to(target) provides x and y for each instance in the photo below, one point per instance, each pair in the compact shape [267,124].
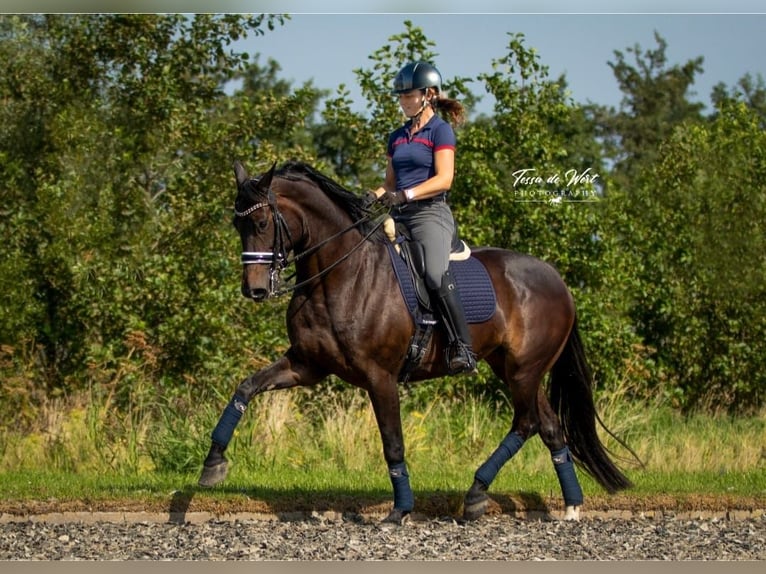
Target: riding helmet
[417,76]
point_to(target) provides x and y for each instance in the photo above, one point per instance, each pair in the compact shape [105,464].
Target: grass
[295,446]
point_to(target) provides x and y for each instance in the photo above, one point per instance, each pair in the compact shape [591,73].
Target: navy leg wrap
[570,486]
[224,430]
[509,446]
[403,497]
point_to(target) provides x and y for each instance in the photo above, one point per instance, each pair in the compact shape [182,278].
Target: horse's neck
[327,233]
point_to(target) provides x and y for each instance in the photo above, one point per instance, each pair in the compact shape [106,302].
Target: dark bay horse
[347,317]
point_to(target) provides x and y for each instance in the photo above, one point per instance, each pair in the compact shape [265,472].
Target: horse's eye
[262,224]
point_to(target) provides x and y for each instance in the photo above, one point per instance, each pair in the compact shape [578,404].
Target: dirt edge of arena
[191,506]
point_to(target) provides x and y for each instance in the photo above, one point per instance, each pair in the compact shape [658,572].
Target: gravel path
[500,537]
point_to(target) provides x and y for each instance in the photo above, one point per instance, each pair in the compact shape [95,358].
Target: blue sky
[326,48]
[574,37]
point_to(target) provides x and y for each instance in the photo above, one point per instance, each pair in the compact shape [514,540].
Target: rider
[419,172]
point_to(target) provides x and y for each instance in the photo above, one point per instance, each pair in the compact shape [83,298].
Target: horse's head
[320,212]
[262,231]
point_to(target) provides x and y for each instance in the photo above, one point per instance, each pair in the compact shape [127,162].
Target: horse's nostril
[258,294]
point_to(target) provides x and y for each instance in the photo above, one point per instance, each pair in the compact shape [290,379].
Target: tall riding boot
[460,357]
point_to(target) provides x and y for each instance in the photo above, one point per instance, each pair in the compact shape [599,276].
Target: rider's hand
[393,198]
[369,199]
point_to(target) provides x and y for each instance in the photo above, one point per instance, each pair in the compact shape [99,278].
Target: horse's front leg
[385,403]
[285,373]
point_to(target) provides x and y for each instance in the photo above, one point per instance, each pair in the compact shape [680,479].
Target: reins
[332,266]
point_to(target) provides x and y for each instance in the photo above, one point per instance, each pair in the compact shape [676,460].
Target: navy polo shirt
[412,156]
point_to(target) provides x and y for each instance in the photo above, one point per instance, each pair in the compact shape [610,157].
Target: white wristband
[409,194]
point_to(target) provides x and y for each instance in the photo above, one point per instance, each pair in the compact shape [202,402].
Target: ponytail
[451,108]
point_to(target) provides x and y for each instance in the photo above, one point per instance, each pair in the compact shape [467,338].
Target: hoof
[212,475]
[572,513]
[397,517]
[476,502]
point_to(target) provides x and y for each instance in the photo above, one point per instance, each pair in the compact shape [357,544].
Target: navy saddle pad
[473,282]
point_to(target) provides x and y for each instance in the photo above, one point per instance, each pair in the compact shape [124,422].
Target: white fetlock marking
[572,513]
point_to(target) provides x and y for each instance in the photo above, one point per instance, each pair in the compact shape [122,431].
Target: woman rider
[419,172]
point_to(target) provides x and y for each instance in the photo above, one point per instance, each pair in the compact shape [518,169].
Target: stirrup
[460,360]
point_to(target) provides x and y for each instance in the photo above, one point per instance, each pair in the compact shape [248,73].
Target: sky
[327,47]
[325,41]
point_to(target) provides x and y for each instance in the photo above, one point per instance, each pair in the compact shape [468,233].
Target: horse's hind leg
[282,374]
[553,437]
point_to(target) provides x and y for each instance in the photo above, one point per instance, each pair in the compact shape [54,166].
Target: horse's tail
[571,396]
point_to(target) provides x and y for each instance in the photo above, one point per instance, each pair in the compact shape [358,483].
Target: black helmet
[417,76]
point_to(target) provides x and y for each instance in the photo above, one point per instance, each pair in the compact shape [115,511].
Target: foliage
[695,228]
[749,90]
[117,177]
[118,271]
[655,100]
[291,442]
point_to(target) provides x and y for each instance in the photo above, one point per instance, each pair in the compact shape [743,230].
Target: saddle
[476,290]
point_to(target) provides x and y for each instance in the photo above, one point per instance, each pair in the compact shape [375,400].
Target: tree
[270,119]
[655,100]
[750,90]
[113,162]
[695,232]
[119,272]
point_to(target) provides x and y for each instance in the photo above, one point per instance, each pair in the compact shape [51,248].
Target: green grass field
[296,450]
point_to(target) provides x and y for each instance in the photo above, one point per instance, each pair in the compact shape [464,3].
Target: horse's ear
[240,173]
[264,182]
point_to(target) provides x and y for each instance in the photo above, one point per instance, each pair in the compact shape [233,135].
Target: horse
[347,317]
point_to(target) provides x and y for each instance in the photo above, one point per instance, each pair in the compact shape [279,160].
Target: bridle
[277,259]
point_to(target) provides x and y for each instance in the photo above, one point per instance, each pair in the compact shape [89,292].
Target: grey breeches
[433,226]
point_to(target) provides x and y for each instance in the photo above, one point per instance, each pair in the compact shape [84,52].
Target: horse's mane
[348,201]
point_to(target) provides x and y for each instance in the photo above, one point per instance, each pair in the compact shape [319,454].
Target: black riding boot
[459,355]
